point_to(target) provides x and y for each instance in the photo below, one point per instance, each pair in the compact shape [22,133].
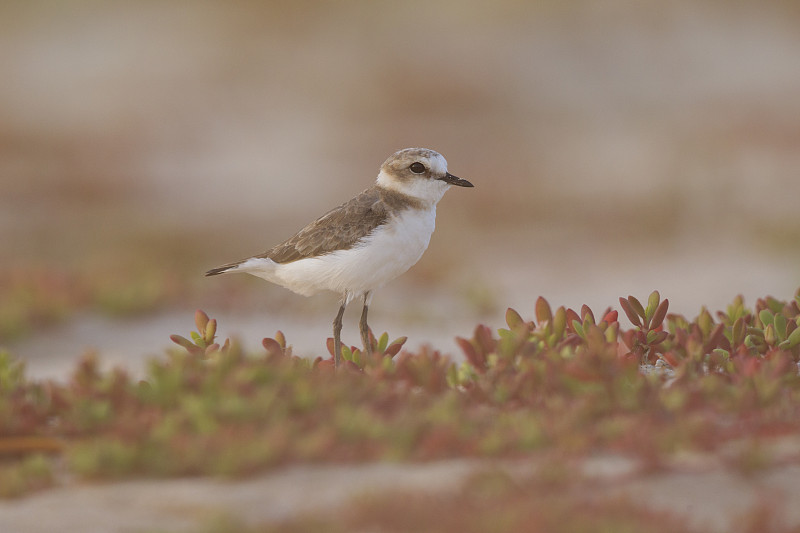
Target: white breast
[388,252]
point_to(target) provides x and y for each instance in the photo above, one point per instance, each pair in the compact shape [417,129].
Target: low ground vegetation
[566,382]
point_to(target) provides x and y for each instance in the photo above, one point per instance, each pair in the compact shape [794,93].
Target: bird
[364,243]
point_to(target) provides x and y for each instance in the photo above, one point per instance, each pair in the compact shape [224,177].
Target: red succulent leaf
[394,348]
[483,336]
[781,362]
[714,337]
[586,311]
[329,345]
[630,312]
[746,366]
[627,338]
[475,359]
[351,367]
[660,314]
[610,317]
[672,359]
[186,344]
[580,372]
[272,346]
[200,320]
[660,337]
[324,365]
[572,316]
[212,348]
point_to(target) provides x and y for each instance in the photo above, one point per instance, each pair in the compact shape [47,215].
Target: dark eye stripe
[417,168]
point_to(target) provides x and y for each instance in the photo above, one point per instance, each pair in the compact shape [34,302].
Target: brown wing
[337,229]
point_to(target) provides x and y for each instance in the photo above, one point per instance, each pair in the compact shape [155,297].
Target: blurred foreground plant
[563,380]
[31,298]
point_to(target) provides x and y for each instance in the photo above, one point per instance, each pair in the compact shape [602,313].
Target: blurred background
[616,147]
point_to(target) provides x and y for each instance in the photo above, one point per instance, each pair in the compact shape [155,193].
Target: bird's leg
[337,335]
[364,328]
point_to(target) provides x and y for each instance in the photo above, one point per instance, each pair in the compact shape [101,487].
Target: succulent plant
[561,380]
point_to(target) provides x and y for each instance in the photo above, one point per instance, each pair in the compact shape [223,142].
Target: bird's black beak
[455,180]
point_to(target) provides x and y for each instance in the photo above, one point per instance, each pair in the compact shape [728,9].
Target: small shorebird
[365,242]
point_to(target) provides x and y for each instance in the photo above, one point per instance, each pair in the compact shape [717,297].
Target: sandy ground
[130,343]
[710,498]
[432,315]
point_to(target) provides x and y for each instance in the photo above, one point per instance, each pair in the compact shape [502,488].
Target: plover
[365,242]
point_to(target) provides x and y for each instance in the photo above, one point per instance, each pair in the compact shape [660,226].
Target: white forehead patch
[438,164]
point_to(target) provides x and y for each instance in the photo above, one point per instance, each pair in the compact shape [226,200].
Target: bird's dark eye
[417,168]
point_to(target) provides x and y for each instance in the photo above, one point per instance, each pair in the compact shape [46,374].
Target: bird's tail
[224,268]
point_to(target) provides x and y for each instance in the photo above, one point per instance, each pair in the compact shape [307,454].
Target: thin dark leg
[364,328]
[337,336]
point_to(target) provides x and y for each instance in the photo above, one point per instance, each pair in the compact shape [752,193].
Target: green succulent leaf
[578,327]
[383,342]
[794,338]
[513,319]
[543,312]
[652,304]
[210,331]
[769,335]
[637,306]
[779,321]
[774,304]
[281,338]
[560,323]
[347,353]
[705,322]
[766,317]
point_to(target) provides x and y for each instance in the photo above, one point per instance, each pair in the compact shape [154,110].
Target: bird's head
[419,173]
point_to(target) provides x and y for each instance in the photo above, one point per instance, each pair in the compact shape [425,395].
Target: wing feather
[337,229]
